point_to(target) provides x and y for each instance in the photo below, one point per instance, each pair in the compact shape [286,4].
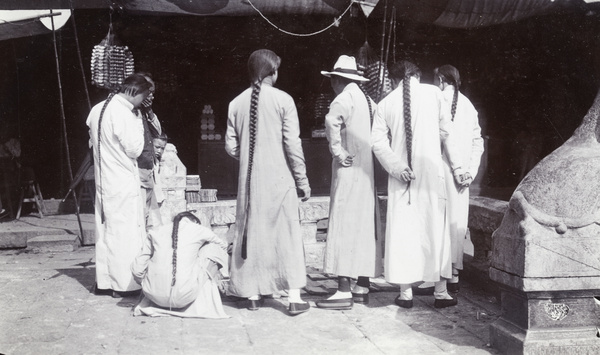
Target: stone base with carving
[545,252]
[561,322]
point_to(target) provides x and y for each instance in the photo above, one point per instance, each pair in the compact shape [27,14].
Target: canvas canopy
[447,13]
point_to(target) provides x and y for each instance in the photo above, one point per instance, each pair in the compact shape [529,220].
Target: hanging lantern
[379,84]
[111,62]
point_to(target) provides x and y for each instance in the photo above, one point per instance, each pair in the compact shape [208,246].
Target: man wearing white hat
[352,250]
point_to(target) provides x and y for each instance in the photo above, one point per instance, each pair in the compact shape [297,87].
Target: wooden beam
[191,7]
[53,4]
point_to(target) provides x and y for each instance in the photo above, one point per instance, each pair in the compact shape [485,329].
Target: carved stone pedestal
[546,252]
[549,274]
[544,322]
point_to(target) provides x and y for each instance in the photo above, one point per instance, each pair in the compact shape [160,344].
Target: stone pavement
[54,231]
[47,308]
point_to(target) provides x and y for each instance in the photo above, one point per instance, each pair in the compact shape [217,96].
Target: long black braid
[403,71]
[368,101]
[175,236]
[407,119]
[454,100]
[407,124]
[253,128]
[261,64]
[110,96]
[451,75]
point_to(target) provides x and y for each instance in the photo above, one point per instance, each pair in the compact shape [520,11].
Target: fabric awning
[446,13]
[472,13]
[24,23]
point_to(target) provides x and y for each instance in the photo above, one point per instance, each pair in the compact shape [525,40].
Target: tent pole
[64,129]
[392,27]
[87,94]
[380,73]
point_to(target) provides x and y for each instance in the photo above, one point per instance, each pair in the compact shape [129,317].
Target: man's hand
[407,175]
[458,174]
[305,193]
[215,275]
[466,181]
[348,161]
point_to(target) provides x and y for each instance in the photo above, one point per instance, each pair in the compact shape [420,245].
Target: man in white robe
[179,268]
[417,244]
[467,135]
[146,160]
[352,250]
[117,138]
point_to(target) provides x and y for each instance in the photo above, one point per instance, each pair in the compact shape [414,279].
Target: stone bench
[220,215]
[485,215]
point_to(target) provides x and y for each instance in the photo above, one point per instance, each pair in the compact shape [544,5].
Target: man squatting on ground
[179,269]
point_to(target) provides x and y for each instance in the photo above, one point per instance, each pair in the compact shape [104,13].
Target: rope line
[334,23]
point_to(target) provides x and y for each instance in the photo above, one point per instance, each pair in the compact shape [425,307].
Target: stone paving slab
[17,232]
[47,307]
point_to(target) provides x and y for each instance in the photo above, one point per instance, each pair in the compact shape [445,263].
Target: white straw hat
[346,67]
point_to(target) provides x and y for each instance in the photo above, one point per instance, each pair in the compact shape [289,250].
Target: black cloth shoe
[254,305]
[403,303]
[423,291]
[445,303]
[453,287]
[296,308]
[124,294]
[101,292]
[340,303]
[360,297]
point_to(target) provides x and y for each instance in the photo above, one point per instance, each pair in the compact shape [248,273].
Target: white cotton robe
[194,294]
[119,237]
[467,136]
[270,210]
[417,245]
[352,243]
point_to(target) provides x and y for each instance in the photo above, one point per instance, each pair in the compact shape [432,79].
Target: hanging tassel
[111,62]
[379,84]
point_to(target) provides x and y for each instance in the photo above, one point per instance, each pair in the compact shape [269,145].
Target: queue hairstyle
[175,235]
[135,84]
[261,64]
[450,75]
[364,91]
[404,70]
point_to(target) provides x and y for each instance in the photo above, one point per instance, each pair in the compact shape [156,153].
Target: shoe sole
[255,305]
[295,313]
[444,305]
[339,308]
[360,298]
[405,306]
